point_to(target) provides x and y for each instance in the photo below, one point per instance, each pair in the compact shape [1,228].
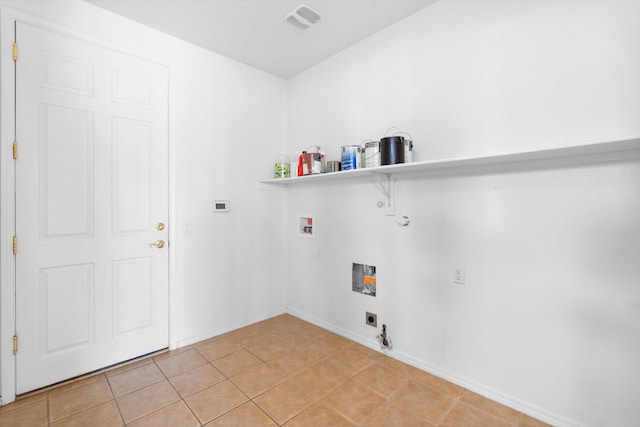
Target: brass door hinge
[15,245]
[15,344]
[15,150]
[15,51]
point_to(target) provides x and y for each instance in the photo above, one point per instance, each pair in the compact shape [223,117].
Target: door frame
[8,17]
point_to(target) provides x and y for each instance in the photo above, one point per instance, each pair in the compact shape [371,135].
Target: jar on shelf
[282,166]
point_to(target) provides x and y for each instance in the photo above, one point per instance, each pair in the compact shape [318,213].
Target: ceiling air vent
[303,16]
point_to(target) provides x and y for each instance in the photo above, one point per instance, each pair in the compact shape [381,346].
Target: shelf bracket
[387,187]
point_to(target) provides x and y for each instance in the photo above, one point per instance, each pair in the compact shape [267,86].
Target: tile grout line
[48,393]
[388,400]
[518,418]
[486,412]
[226,378]
[115,400]
[314,399]
[178,393]
[48,411]
[446,414]
[210,362]
[262,410]
[264,362]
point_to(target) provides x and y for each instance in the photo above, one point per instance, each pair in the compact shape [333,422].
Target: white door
[91,193]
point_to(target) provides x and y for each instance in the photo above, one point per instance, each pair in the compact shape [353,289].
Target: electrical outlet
[371,319]
[458,275]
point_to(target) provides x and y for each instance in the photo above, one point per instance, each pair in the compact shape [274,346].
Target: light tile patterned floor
[282,371]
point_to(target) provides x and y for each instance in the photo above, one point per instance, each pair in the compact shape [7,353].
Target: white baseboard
[488,392]
[371,343]
[230,327]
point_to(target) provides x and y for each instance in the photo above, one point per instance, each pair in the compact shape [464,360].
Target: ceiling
[254,32]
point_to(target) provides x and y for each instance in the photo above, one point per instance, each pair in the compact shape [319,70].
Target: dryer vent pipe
[384,340]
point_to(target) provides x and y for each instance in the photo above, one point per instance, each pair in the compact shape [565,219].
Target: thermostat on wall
[221,206]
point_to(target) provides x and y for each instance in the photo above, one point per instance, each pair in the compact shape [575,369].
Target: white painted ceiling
[254,32]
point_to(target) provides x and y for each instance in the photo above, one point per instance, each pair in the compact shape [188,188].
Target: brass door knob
[159,244]
[160,226]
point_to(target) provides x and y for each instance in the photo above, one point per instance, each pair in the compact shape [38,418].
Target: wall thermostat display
[221,206]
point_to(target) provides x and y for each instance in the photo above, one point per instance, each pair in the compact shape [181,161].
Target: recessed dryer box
[306,226]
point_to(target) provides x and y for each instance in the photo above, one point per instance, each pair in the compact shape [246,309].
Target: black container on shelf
[391,150]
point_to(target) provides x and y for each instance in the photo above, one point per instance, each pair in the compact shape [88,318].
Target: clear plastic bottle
[282,167]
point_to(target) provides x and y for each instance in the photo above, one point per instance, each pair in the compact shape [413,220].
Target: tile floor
[282,371]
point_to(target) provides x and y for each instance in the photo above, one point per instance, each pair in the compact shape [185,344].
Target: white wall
[227,123]
[547,320]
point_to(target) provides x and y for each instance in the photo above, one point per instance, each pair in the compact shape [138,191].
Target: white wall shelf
[618,150]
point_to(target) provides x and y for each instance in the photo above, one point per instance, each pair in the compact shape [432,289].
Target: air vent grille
[292,19]
[303,16]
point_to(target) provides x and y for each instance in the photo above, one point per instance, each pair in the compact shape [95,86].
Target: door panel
[66,138]
[67,307]
[91,183]
[132,89]
[132,294]
[66,74]
[132,175]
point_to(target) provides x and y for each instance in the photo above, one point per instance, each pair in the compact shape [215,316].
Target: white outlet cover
[458,275]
